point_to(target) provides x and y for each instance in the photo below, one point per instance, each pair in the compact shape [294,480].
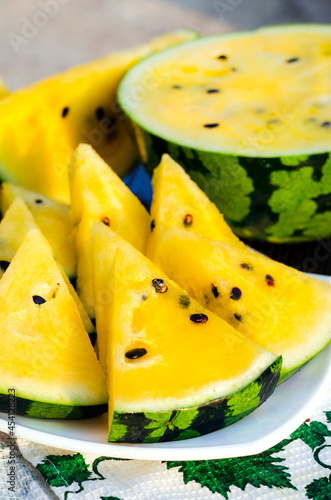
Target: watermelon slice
[46,354]
[51,217]
[179,202]
[175,370]
[99,195]
[280,308]
[42,124]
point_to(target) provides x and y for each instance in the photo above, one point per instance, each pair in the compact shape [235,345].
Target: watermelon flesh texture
[185,362]
[51,217]
[178,202]
[99,195]
[42,124]
[46,353]
[280,308]
[248,117]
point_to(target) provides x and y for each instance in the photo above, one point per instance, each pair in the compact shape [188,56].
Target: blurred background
[40,37]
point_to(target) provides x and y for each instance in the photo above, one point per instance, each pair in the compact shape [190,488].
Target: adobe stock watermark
[30,26]
[11,461]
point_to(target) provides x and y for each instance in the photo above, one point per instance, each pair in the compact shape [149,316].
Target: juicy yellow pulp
[45,352]
[178,202]
[51,217]
[288,314]
[186,363]
[268,92]
[99,195]
[41,125]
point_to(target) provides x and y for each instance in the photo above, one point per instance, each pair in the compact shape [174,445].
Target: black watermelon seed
[270,280]
[38,300]
[199,318]
[144,297]
[65,111]
[100,113]
[223,57]
[292,60]
[139,352]
[188,219]
[152,225]
[212,91]
[108,124]
[211,125]
[238,317]
[38,201]
[4,265]
[215,291]
[159,285]
[248,267]
[235,293]
[184,301]
[106,221]
[176,87]
[326,124]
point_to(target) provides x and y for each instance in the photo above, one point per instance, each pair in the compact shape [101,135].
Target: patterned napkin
[297,468]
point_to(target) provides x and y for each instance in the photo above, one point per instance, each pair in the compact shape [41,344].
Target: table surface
[75,31]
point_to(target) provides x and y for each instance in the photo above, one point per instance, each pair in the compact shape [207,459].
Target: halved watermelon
[46,355]
[280,308]
[51,217]
[42,124]
[99,195]
[248,115]
[179,202]
[175,370]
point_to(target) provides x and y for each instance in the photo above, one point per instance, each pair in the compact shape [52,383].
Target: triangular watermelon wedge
[282,309]
[175,370]
[46,354]
[179,202]
[99,195]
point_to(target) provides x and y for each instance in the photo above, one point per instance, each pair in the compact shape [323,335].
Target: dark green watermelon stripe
[192,422]
[39,409]
[242,188]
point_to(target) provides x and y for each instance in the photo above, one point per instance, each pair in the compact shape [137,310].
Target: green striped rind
[192,422]
[285,199]
[38,409]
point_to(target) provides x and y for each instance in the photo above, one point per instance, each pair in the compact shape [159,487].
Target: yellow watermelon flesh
[42,124]
[46,354]
[99,195]
[51,217]
[282,309]
[179,202]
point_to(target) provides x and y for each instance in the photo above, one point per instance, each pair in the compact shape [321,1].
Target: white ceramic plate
[291,403]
